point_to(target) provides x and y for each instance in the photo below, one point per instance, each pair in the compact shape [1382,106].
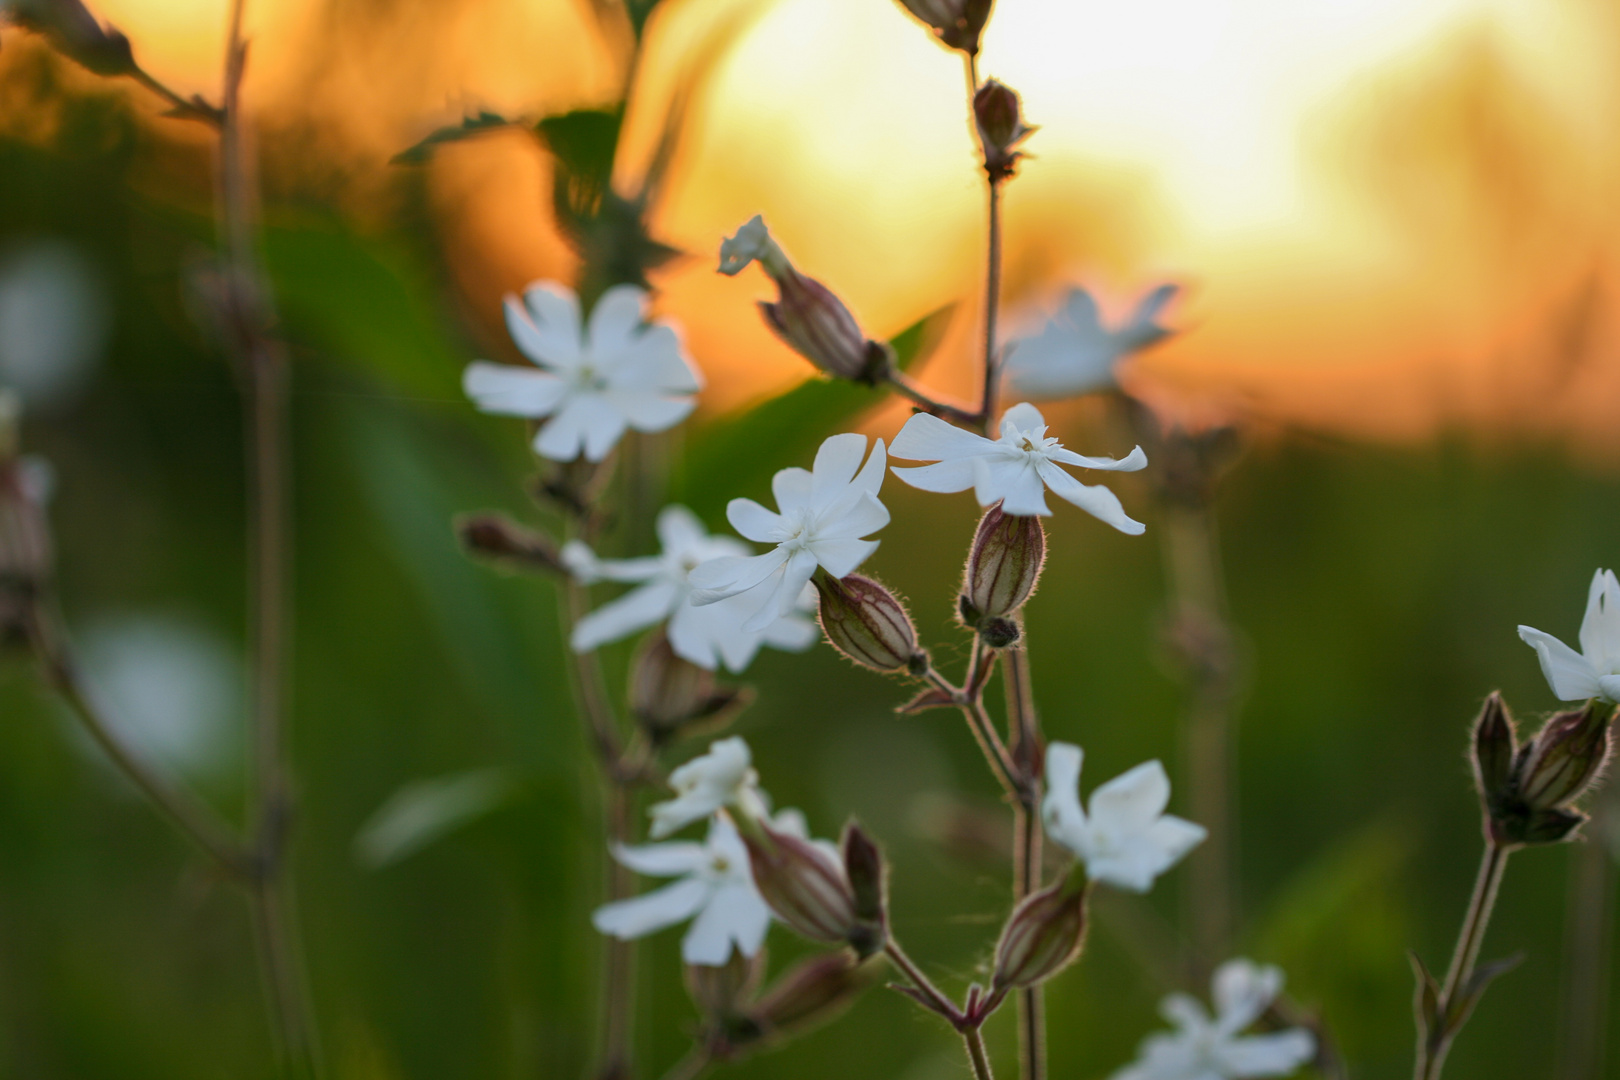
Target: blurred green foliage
[1377,590]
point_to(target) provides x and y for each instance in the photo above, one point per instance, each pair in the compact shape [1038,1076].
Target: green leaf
[1458,1011]
[427,810]
[470,126]
[1426,1005]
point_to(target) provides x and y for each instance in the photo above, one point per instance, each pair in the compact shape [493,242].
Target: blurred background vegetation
[1376,587]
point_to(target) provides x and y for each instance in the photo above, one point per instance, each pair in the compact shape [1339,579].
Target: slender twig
[188,813]
[995,752]
[976,1054]
[264,370]
[1431,1058]
[936,997]
[1023,729]
[925,401]
[194,108]
[992,302]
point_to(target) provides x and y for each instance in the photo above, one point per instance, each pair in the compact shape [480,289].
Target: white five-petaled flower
[1211,1049]
[823,515]
[1127,839]
[1013,470]
[1075,354]
[723,776]
[716,891]
[620,372]
[706,636]
[1595,670]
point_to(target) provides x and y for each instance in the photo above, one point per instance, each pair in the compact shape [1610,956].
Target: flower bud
[1000,632]
[1565,756]
[812,993]
[1003,565]
[957,23]
[1042,936]
[1000,121]
[721,993]
[866,873]
[502,541]
[815,324]
[1494,749]
[669,695]
[868,623]
[76,33]
[803,885]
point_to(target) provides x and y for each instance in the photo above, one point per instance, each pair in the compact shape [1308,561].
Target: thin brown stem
[992,303]
[995,751]
[194,108]
[1431,1059]
[184,810]
[924,986]
[1023,728]
[263,363]
[970,68]
[977,1055]
[907,388]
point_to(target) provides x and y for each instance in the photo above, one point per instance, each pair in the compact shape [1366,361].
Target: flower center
[586,377]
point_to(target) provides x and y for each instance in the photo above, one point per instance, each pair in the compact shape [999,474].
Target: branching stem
[1431,1059]
[977,1055]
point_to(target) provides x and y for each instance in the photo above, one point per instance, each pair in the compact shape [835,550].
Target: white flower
[752,241]
[1012,470]
[723,776]
[1205,1049]
[1127,840]
[706,636]
[716,891]
[1595,670]
[622,372]
[1075,354]
[824,514]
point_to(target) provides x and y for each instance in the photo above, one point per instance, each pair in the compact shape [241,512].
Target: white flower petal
[1242,990]
[1021,417]
[603,425]
[870,478]
[635,610]
[563,436]
[841,558]
[928,438]
[664,860]
[1568,672]
[1174,837]
[1184,1011]
[1609,687]
[755,522]
[1277,1054]
[613,324]
[943,476]
[506,390]
[784,591]
[1600,628]
[1131,462]
[648,409]
[1095,500]
[545,326]
[791,489]
[582,562]
[735,913]
[717,579]
[650,912]
[836,463]
[679,529]
[791,633]
[1060,811]
[1133,799]
[1013,482]
[861,516]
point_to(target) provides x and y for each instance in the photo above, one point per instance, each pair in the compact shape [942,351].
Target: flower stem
[992,301]
[1024,730]
[1491,867]
[936,997]
[1588,946]
[263,364]
[914,392]
[976,1054]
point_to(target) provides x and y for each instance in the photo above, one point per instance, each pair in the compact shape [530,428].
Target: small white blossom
[823,515]
[723,776]
[716,891]
[1013,470]
[620,372]
[1075,354]
[1206,1049]
[706,636]
[1127,839]
[752,241]
[1595,670]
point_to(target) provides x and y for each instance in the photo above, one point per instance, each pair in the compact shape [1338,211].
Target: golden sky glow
[1390,213]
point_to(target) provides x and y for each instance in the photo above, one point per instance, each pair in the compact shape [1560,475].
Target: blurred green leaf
[422,152]
[427,810]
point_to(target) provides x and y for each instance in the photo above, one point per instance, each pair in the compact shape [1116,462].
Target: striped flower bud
[74,30]
[868,623]
[999,117]
[1043,935]
[1565,756]
[507,544]
[1003,565]
[812,993]
[723,992]
[867,875]
[803,884]
[670,695]
[1526,790]
[957,23]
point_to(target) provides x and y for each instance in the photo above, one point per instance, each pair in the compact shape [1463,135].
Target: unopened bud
[721,993]
[75,32]
[999,633]
[1003,565]
[957,23]
[1494,750]
[803,885]
[1000,121]
[1565,756]
[807,316]
[671,695]
[502,541]
[867,876]
[868,623]
[812,993]
[1042,936]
